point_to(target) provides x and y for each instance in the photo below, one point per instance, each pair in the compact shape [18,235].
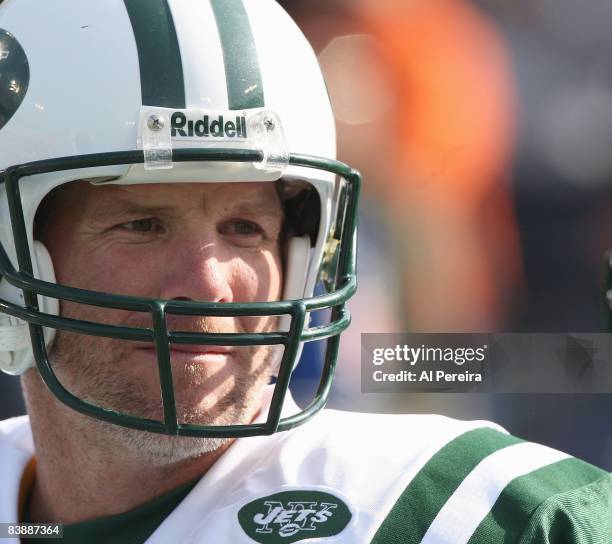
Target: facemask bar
[158,309]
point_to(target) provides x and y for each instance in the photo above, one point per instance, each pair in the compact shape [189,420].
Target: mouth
[198,353]
[203,349]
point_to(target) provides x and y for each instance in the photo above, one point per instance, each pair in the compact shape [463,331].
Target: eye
[146,225]
[241,227]
[243,233]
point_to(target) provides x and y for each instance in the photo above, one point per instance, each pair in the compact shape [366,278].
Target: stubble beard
[91,369]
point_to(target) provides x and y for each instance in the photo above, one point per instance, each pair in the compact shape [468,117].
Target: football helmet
[162,91]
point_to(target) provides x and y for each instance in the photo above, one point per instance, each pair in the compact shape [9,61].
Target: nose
[196,271]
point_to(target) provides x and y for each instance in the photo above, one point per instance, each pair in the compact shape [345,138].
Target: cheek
[100,270]
[87,268]
[257,279]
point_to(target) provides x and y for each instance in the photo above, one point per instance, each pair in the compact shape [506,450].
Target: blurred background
[483,130]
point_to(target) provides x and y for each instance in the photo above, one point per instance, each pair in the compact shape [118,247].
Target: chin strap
[13,334]
[15,349]
[14,337]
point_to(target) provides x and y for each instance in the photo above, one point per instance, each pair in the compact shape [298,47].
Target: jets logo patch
[291,516]
[14,76]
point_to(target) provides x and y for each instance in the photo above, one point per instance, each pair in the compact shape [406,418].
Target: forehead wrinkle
[221,197]
[258,208]
[118,206]
[254,201]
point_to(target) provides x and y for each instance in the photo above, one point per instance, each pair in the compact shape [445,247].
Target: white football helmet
[130,92]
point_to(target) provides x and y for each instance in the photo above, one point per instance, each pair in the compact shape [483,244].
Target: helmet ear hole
[302,207]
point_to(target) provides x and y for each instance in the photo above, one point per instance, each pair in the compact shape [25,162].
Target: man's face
[194,241]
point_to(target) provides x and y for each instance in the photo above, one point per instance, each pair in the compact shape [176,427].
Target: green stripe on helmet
[161,69]
[433,485]
[242,71]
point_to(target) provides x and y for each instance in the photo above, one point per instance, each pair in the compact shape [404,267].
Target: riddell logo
[290,516]
[208,126]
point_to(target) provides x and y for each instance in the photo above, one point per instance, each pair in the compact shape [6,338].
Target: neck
[84,471]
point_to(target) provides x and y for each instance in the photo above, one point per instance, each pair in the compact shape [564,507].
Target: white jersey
[343,477]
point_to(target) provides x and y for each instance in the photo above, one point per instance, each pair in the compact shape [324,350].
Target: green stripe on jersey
[429,490]
[521,498]
[161,69]
[578,516]
[242,72]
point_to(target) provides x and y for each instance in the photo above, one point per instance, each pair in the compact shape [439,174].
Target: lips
[192,350]
[200,349]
